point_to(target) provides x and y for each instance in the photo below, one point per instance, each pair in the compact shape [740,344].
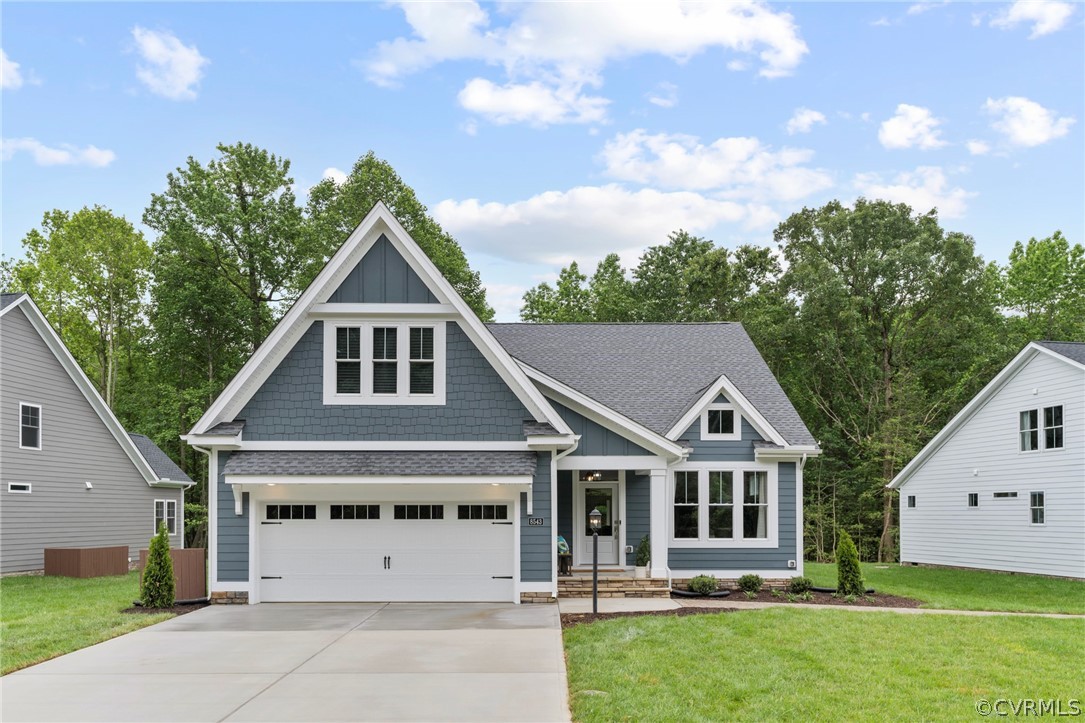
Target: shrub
[849,576]
[704,584]
[157,587]
[750,595]
[849,599]
[799,585]
[807,596]
[750,583]
[791,597]
[644,552]
[775,593]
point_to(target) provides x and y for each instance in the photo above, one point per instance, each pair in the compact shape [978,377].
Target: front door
[602,496]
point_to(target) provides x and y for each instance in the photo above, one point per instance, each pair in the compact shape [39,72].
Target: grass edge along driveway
[795,664]
[43,617]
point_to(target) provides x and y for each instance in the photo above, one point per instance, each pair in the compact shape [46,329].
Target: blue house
[385,444]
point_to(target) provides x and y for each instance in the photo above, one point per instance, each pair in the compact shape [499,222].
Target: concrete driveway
[310,662]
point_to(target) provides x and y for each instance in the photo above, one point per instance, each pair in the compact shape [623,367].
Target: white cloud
[587,222]
[664,96]
[803,120]
[533,103]
[1046,16]
[978,148]
[923,189]
[919,8]
[170,68]
[564,47]
[338,176]
[912,126]
[10,77]
[882,22]
[738,168]
[736,65]
[63,155]
[1025,122]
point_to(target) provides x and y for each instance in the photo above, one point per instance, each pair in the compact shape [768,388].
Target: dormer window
[384,362]
[722,422]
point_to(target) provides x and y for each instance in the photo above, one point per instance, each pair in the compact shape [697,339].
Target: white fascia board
[973,406]
[222,441]
[56,345]
[547,441]
[605,416]
[724,386]
[296,321]
[236,479]
[787,454]
[383,446]
[171,484]
[383,311]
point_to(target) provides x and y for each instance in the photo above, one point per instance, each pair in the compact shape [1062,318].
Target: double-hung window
[384,362]
[29,426]
[725,505]
[1036,507]
[1030,430]
[1053,427]
[165,511]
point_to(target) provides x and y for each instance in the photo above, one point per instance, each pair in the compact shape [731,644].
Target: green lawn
[43,617]
[802,664]
[966,589]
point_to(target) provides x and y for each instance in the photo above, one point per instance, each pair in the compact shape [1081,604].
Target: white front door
[602,496]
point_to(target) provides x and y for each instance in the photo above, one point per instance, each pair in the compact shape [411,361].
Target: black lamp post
[595,520]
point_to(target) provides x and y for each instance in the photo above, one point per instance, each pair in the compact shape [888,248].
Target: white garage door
[388,551]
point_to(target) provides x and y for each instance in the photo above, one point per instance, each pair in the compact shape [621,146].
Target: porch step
[610,587]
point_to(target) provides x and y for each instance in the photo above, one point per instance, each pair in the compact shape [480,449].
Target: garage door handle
[500,523]
[500,577]
[270,523]
[271,577]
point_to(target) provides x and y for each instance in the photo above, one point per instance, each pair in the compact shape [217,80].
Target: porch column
[659,512]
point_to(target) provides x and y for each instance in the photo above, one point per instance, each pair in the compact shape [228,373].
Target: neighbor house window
[29,426]
[720,421]
[685,505]
[724,507]
[1036,507]
[384,363]
[22,488]
[911,500]
[165,511]
[973,499]
[721,503]
[755,505]
[1053,427]
[1005,495]
[1030,431]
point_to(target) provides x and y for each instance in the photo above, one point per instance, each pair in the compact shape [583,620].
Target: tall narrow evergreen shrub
[849,576]
[157,588]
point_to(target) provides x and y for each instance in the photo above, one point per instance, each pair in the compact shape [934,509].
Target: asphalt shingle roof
[381,464]
[162,465]
[532,428]
[227,427]
[8,299]
[1074,350]
[653,373]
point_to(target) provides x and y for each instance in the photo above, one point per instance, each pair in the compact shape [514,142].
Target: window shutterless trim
[1033,508]
[19,488]
[973,500]
[21,425]
[1028,423]
[911,502]
[169,516]
[368,361]
[1054,432]
[703,469]
[736,422]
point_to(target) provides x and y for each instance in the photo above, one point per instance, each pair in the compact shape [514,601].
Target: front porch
[612,584]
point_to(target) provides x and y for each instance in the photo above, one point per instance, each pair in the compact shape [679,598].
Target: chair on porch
[565,557]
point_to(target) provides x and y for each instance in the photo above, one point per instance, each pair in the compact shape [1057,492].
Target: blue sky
[540,134]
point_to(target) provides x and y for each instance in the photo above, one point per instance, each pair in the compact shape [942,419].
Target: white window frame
[403,394]
[772,540]
[736,415]
[1037,429]
[968,500]
[28,490]
[41,425]
[1042,421]
[910,503]
[1042,507]
[167,505]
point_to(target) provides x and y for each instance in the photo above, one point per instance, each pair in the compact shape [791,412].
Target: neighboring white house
[1002,486]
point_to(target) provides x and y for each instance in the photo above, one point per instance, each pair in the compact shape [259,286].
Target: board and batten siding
[983,457]
[76,448]
[382,277]
[595,439]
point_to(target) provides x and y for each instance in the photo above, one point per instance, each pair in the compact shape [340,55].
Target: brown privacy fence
[86,561]
[189,572]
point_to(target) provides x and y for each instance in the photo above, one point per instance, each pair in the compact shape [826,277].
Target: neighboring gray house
[385,444]
[1002,486]
[70,476]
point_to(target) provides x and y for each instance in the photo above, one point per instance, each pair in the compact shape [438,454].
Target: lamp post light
[595,520]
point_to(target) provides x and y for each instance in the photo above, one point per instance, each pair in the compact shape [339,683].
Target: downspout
[554,510]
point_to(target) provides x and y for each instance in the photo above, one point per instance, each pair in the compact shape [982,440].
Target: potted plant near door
[644,556]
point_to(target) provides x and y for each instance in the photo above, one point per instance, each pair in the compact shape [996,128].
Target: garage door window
[483,512]
[356,512]
[290,512]
[419,512]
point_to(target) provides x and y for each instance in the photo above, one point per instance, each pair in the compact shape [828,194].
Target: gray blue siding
[712,450]
[565,505]
[638,519]
[233,531]
[537,543]
[290,404]
[382,277]
[595,439]
[739,559]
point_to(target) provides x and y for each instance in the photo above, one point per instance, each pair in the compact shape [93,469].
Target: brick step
[634,592]
[624,582]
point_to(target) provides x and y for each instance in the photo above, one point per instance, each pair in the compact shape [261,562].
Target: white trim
[605,416]
[581,557]
[616,462]
[426,311]
[724,386]
[787,454]
[41,424]
[226,442]
[403,395]
[1041,507]
[212,516]
[735,573]
[524,480]
[799,531]
[296,321]
[536,587]
[396,445]
[27,491]
[736,423]
[659,513]
[517,584]
[772,538]
[166,517]
[254,548]
[994,386]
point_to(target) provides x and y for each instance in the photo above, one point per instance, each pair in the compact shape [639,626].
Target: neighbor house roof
[654,373]
[1073,350]
[163,466]
[8,299]
[381,464]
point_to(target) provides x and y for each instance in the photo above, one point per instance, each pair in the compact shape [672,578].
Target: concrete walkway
[614,605]
[297,662]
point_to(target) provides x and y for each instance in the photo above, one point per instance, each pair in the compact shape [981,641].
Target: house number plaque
[534,521]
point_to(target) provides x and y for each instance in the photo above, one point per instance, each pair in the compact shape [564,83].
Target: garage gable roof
[381,464]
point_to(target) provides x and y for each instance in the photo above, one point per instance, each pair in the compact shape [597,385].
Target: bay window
[725,505]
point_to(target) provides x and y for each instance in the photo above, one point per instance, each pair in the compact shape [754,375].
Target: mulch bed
[176,609]
[568,620]
[873,600]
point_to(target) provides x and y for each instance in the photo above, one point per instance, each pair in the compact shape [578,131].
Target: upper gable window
[1053,427]
[384,362]
[29,426]
[1030,433]
[721,421]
